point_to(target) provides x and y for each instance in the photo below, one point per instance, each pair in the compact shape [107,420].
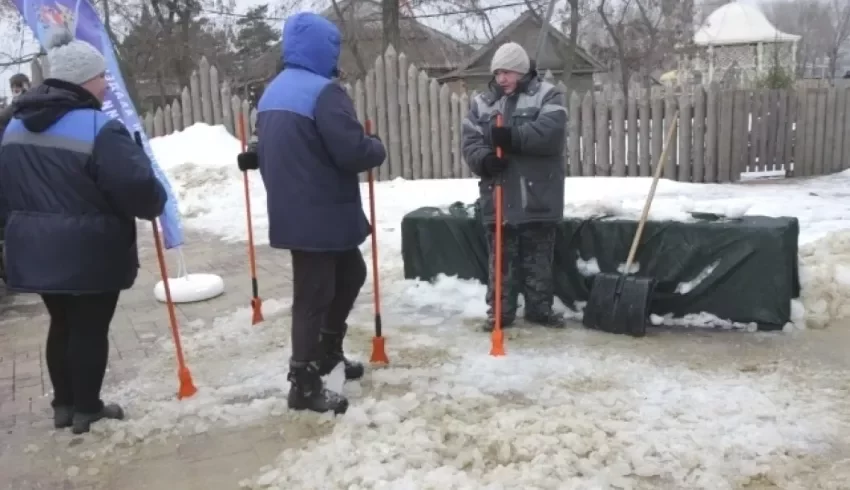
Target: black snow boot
[63,416]
[82,421]
[332,346]
[490,324]
[307,391]
[550,320]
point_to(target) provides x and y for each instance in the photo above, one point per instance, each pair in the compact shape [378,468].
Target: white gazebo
[737,43]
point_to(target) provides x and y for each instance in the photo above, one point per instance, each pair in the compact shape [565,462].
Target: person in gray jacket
[531,170]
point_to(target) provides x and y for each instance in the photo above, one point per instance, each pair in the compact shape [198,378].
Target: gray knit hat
[72,60]
[511,57]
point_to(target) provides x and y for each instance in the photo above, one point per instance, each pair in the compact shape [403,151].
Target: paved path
[208,461]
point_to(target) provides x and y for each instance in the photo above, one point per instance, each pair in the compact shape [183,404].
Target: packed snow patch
[825,279]
[449,416]
[688,286]
[589,267]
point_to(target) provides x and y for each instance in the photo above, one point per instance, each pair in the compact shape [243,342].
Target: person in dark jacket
[310,150]
[531,172]
[18,84]
[72,182]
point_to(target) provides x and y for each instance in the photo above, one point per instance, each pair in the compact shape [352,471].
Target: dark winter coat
[72,182]
[6,116]
[311,146]
[533,183]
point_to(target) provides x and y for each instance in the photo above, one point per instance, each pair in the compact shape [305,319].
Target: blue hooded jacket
[72,183]
[311,145]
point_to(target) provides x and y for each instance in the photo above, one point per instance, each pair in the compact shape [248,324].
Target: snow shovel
[497,338]
[379,353]
[256,302]
[187,387]
[619,303]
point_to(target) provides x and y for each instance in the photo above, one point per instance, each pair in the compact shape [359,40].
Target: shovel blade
[619,304]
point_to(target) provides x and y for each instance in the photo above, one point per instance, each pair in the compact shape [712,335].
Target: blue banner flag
[80,17]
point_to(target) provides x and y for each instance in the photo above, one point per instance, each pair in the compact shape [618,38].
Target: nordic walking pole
[497,338]
[379,354]
[256,302]
[187,387]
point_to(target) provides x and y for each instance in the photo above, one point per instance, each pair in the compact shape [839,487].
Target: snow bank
[825,280]
[200,163]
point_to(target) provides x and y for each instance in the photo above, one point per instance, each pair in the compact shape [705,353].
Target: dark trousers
[326,285]
[528,252]
[78,347]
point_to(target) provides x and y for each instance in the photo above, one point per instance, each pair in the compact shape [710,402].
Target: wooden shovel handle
[655,178]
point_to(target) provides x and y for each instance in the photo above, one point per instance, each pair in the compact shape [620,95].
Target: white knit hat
[72,60]
[511,57]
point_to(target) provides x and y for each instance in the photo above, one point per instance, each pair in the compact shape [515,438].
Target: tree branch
[354,42]
[18,60]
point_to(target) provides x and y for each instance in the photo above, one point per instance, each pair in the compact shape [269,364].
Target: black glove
[501,137]
[248,161]
[493,165]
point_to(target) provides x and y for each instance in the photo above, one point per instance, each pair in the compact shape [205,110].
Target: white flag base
[189,288]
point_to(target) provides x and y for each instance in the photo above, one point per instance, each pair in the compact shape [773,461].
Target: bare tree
[839,33]
[645,35]
[568,47]
[8,60]
[634,37]
[570,51]
[390,13]
[348,26]
[468,16]
[823,26]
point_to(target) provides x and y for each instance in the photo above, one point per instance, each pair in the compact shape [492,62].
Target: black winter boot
[550,320]
[63,416]
[307,391]
[332,346]
[490,324]
[82,421]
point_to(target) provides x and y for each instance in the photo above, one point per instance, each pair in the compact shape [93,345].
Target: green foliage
[775,78]
[254,34]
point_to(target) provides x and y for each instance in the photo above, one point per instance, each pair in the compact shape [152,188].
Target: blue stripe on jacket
[72,182]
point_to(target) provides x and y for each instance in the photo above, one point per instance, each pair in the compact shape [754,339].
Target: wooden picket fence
[722,134]
[208,100]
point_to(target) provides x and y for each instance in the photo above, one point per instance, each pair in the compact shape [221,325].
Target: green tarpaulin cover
[743,270]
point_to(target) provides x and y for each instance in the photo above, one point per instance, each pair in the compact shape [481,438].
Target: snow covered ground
[574,409]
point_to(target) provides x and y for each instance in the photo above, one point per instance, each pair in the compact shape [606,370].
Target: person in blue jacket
[310,150]
[72,183]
